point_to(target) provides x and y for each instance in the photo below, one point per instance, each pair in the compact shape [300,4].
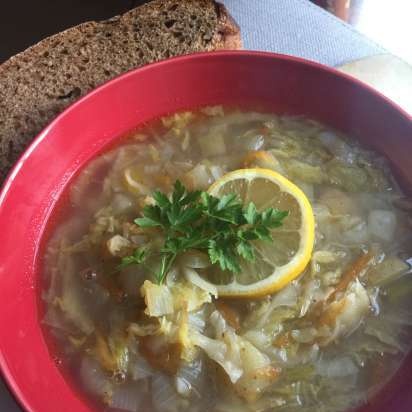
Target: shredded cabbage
[218,352]
[345,314]
[158,299]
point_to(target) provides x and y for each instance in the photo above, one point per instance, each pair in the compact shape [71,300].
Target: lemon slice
[279,262]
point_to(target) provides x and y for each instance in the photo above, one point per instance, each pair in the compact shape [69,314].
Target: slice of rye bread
[40,82]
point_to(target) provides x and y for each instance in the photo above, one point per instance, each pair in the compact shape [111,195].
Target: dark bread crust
[42,81]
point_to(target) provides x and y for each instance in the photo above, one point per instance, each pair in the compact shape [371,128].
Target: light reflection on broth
[326,342]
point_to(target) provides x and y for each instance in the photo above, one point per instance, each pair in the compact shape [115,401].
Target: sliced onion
[382,224]
[259,339]
[350,309]
[252,141]
[219,352]
[121,203]
[193,277]
[183,166]
[305,335]
[386,332]
[281,355]
[310,289]
[53,320]
[164,395]
[183,387]
[71,228]
[305,354]
[356,234]
[369,201]
[135,184]
[312,353]
[337,146]
[196,320]
[374,297]
[216,171]
[338,202]
[126,156]
[213,144]
[93,378]
[167,151]
[86,192]
[75,299]
[151,169]
[140,369]
[398,316]
[286,297]
[172,277]
[388,270]
[127,397]
[336,368]
[198,177]
[321,212]
[190,378]
[219,323]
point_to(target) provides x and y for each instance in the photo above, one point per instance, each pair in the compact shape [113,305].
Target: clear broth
[306,363]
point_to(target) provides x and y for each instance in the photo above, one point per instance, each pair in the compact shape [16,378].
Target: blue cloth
[299,28]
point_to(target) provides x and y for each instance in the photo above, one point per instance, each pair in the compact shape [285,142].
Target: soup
[137,296]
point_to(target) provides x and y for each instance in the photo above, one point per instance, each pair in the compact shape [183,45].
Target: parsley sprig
[223,227]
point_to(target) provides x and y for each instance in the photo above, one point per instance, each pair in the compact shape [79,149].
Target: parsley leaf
[222,227]
[245,250]
[138,257]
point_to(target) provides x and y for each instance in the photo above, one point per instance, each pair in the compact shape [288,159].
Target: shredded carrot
[252,385]
[268,372]
[328,317]
[357,269]
[325,313]
[229,313]
[257,157]
[282,340]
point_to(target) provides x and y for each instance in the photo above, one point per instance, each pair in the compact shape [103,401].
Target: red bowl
[32,190]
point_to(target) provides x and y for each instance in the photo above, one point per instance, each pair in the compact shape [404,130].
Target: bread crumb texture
[40,82]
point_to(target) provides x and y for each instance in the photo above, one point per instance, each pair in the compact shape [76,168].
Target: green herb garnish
[197,220]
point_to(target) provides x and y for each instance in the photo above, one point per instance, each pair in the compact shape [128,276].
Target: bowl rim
[175,60]
[5,371]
